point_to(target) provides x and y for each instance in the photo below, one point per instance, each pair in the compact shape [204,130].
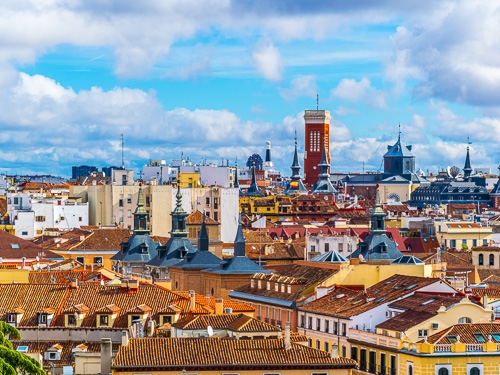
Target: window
[120,201]
[382,364]
[479,337]
[313,248]
[302,321]
[485,241]
[207,201]
[481,259]
[11,318]
[344,351]
[71,320]
[98,260]
[327,326]
[129,213]
[166,319]
[282,288]
[422,333]
[341,247]
[327,247]
[453,243]
[42,318]
[464,242]
[103,320]
[276,287]
[410,370]
[474,242]
[24,233]
[344,329]
[464,320]
[373,362]
[444,371]
[80,218]
[147,201]
[16,200]
[61,218]
[310,323]
[335,328]
[52,356]
[268,285]
[129,198]
[492,260]
[310,342]
[474,371]
[318,344]
[318,324]
[39,218]
[327,347]
[80,259]
[354,353]
[289,289]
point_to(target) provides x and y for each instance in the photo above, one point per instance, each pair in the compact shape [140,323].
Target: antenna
[123,145]
[317,101]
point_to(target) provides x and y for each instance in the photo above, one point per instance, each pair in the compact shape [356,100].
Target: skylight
[479,337]
[411,286]
[452,339]
[14,245]
[22,349]
[427,302]
[496,336]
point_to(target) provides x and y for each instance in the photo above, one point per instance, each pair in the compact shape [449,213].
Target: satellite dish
[210,331]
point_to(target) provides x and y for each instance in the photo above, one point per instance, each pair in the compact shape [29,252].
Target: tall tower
[268,163]
[317,137]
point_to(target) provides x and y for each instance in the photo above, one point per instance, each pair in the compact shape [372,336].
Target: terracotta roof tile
[222,353]
[466,333]
[195,218]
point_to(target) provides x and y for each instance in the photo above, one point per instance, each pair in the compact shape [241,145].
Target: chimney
[335,351]
[219,306]
[124,338]
[74,284]
[106,356]
[288,344]
[485,301]
[192,300]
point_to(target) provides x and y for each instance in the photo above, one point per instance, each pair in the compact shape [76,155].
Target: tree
[11,360]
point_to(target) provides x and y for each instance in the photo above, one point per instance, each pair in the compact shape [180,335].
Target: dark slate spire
[296,184]
[236,183]
[467,167]
[295,165]
[378,216]
[324,184]
[179,217]
[203,237]
[253,190]
[268,152]
[140,215]
[239,241]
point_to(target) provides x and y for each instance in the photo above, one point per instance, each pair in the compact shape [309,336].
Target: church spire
[296,184]
[378,215]
[295,164]
[179,216]
[239,241]
[324,184]
[203,237]
[253,190]
[467,167]
[140,215]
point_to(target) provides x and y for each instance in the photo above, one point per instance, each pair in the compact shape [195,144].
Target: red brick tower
[317,137]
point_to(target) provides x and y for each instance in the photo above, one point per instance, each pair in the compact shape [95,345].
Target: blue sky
[217,79]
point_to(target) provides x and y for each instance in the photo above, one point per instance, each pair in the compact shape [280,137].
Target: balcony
[374,338]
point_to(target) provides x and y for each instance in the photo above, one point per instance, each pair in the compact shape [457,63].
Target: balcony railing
[374,338]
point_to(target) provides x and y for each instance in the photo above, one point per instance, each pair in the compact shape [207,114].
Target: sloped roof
[13,247]
[221,353]
[466,333]
[407,259]
[196,218]
[330,257]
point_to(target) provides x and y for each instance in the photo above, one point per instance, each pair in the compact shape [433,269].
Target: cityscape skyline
[217,80]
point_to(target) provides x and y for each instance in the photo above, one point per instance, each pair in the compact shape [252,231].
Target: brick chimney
[192,300]
[106,351]
[219,306]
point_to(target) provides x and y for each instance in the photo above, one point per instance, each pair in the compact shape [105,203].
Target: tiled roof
[305,276]
[221,354]
[104,239]
[232,322]
[57,277]
[237,307]
[12,247]
[32,298]
[348,303]
[197,217]
[66,352]
[466,333]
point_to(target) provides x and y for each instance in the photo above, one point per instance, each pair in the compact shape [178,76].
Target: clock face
[314,167]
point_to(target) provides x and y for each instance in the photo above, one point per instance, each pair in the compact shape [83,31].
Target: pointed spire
[140,214]
[203,237]
[236,183]
[295,165]
[324,184]
[378,216]
[253,190]
[239,241]
[399,133]
[179,217]
[467,166]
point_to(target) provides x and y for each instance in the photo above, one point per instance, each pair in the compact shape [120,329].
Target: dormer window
[104,320]
[282,288]
[289,289]
[268,285]
[71,320]
[276,287]
[42,318]
[144,248]
[259,284]
[252,283]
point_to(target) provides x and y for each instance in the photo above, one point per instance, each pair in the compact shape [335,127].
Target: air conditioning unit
[228,310]
[435,325]
[388,314]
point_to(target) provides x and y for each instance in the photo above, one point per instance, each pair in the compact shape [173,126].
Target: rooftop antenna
[123,145]
[399,135]
[317,101]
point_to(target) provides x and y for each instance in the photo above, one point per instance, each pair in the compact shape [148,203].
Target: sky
[216,79]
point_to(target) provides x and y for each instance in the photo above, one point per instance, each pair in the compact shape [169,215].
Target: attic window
[427,302]
[380,300]
[496,336]
[479,337]
[411,286]
[452,339]
[14,245]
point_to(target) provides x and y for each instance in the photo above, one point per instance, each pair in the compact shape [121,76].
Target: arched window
[492,260]
[443,371]
[481,259]
[318,344]
[410,370]
[475,371]
[464,320]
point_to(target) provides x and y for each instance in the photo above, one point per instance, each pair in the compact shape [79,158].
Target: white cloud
[360,91]
[300,86]
[267,61]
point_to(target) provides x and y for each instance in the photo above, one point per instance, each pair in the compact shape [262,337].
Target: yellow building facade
[462,235]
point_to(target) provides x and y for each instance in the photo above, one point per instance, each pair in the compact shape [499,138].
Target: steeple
[324,184]
[268,163]
[467,167]
[179,217]
[203,236]
[296,184]
[253,190]
[236,183]
[239,241]
[378,216]
[140,215]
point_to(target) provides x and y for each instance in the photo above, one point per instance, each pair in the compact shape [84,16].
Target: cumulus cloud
[360,91]
[267,61]
[300,86]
